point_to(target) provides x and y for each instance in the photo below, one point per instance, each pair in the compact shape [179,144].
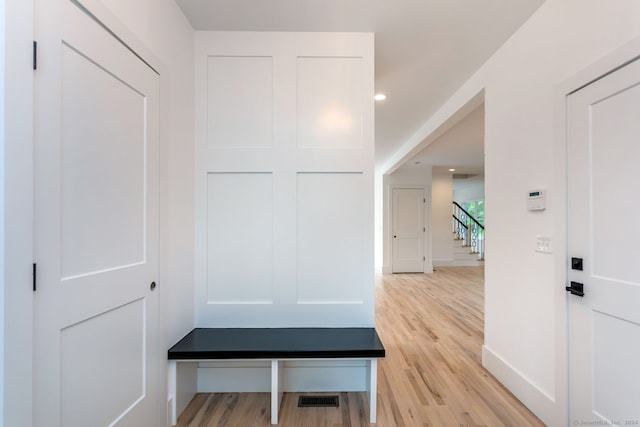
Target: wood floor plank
[432,326]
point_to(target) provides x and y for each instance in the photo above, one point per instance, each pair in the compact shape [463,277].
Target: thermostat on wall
[536,200]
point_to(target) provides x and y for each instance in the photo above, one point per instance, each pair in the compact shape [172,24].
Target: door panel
[615,388]
[408,235]
[240,238]
[84,343]
[96,226]
[103,218]
[604,334]
[615,174]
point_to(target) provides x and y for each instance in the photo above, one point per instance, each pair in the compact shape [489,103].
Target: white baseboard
[457,263]
[309,376]
[467,263]
[427,267]
[537,400]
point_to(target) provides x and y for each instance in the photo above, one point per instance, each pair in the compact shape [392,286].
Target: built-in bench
[279,345]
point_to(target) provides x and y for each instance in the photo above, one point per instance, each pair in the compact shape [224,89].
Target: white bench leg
[171,388]
[277,373]
[372,388]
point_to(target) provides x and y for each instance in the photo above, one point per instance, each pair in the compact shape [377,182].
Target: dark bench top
[277,343]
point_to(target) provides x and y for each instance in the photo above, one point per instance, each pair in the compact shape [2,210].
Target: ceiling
[460,148]
[424,49]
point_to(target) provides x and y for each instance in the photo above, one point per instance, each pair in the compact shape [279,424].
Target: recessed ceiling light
[452,170]
[380,97]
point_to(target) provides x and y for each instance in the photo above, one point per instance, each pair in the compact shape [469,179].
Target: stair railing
[467,228]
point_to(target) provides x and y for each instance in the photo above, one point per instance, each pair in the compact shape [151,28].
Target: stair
[468,233]
[463,257]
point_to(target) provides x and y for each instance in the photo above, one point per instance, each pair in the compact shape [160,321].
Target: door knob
[576,289]
[152,286]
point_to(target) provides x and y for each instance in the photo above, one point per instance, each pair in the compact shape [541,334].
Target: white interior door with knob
[604,323]
[408,230]
[96,226]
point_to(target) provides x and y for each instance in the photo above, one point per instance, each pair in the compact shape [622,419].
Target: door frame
[17,214]
[427,265]
[595,71]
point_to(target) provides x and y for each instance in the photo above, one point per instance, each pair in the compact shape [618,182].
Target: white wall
[525,322]
[405,178]
[469,189]
[379,220]
[441,220]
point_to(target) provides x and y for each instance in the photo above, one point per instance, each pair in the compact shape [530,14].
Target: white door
[408,230]
[604,174]
[96,226]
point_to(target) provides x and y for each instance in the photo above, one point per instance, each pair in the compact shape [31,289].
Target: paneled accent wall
[284,179]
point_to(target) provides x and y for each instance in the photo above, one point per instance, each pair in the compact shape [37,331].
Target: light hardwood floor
[432,328]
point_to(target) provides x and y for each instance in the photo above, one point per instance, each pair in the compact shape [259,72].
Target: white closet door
[96,226]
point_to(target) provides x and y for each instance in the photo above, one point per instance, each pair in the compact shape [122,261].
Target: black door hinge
[35,55]
[34,277]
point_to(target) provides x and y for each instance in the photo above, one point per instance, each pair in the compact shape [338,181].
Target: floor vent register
[318,401]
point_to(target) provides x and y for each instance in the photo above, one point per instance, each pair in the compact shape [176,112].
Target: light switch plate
[543,244]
